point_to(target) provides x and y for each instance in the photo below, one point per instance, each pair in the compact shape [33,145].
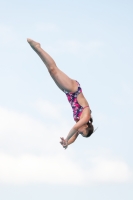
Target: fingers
[62,138]
[63,142]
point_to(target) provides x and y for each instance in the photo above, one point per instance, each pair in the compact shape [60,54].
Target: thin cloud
[48,109]
[60,169]
[28,133]
[34,155]
[109,170]
[15,122]
[38,169]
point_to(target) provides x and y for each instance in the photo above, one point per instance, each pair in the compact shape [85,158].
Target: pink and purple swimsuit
[72,98]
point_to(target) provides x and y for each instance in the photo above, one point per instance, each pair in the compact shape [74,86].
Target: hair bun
[91,120]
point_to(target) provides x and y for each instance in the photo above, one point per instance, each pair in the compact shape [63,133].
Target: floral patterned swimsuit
[76,107]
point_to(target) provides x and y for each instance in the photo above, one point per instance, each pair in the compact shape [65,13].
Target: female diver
[73,91]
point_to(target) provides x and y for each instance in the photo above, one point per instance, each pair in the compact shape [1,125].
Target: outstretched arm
[74,130]
[73,138]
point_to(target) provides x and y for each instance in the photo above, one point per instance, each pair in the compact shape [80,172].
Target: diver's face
[83,130]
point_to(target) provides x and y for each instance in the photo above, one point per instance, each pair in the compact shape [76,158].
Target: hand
[64,143]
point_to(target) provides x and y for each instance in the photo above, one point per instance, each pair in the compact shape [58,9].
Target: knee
[52,69]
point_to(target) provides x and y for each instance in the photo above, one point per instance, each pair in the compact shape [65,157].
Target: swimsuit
[76,107]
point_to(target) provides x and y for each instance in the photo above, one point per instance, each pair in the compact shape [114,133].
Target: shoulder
[82,121]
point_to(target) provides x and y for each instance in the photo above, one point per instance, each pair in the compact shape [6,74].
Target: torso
[83,102]
[78,103]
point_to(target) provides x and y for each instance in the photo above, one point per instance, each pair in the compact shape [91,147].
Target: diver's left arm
[75,128]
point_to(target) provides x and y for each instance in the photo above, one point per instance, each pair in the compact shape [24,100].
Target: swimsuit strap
[85,107]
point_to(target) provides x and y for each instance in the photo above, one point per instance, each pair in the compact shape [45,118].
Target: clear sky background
[92,42]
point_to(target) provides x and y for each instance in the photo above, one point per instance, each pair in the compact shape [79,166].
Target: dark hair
[91,127]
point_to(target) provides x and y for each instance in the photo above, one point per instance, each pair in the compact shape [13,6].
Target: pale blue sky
[92,42]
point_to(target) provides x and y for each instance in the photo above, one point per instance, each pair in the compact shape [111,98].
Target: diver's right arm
[71,140]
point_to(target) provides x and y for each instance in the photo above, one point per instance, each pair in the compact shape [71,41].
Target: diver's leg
[60,78]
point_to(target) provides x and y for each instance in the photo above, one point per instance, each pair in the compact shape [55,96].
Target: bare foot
[33,44]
